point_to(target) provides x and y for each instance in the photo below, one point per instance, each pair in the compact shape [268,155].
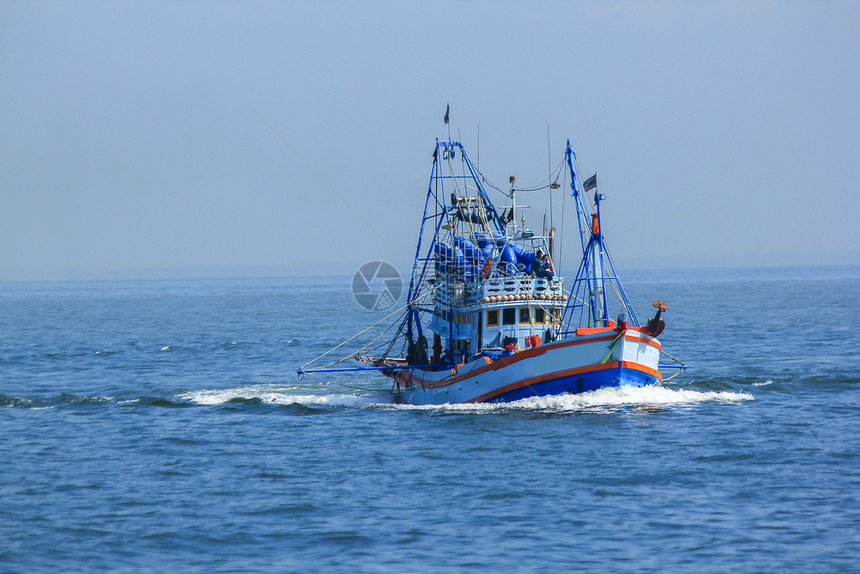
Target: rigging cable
[364,331]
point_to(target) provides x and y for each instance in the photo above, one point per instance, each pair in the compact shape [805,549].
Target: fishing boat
[487,319]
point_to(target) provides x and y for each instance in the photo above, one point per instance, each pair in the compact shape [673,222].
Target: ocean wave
[52,401]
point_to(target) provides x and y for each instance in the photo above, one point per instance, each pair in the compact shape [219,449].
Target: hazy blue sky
[131,137]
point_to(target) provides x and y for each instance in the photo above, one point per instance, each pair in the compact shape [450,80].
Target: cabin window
[493,318]
[540,316]
[509,316]
[555,315]
[525,316]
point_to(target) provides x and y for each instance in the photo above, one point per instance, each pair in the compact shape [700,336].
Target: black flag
[447,109]
[590,183]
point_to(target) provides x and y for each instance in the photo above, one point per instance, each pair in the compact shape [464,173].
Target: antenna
[549,174]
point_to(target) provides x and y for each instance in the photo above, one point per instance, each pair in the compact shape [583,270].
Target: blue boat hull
[581,383]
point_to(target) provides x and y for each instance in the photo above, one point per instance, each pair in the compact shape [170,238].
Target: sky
[150,139]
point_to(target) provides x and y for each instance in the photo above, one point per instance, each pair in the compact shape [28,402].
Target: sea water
[159,426]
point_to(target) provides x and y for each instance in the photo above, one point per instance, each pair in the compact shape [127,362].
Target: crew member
[540,266]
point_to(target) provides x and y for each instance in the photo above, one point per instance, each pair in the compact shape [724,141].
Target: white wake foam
[634,396]
[609,398]
[274,394]
[763,383]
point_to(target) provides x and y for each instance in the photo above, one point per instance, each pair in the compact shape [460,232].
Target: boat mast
[581,218]
[591,271]
[600,309]
[513,179]
[444,218]
[413,309]
[596,269]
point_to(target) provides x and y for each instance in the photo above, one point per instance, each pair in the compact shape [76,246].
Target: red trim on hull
[409,378]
